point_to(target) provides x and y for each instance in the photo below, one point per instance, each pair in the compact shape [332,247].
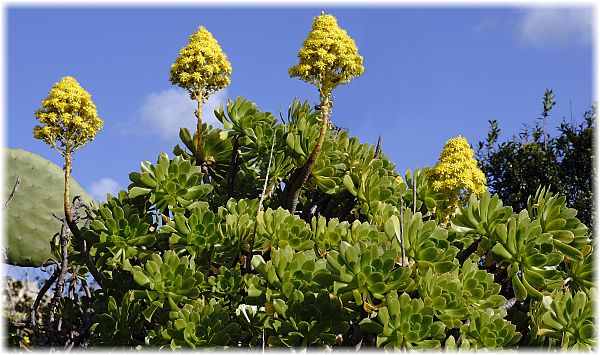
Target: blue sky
[430,74]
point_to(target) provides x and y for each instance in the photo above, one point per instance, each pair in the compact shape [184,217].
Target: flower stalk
[198,153]
[69,120]
[328,58]
[202,69]
[312,158]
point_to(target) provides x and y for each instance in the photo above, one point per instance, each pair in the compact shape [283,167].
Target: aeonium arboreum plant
[328,58]
[367,262]
[69,120]
[202,69]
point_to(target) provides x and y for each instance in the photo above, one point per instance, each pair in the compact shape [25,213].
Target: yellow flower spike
[202,67]
[68,117]
[456,174]
[328,57]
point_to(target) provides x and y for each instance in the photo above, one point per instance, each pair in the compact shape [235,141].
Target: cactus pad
[29,224]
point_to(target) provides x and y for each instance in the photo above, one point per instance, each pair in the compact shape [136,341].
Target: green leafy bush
[569,318]
[489,331]
[331,278]
[405,323]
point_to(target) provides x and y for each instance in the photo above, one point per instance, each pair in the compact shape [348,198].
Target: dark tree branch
[378,148]
[58,290]
[41,294]
[465,253]
[86,322]
[74,299]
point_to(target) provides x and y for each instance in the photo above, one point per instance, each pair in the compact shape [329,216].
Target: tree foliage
[517,167]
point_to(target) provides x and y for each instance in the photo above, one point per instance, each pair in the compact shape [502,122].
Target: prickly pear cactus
[29,224]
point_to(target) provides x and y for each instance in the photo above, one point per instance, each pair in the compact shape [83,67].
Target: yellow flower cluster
[328,57]
[202,67]
[68,116]
[456,172]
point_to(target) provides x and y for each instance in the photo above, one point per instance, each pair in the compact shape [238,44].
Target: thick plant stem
[73,225]
[508,304]
[402,232]
[414,193]
[67,195]
[198,152]
[198,156]
[312,158]
[233,167]
[64,236]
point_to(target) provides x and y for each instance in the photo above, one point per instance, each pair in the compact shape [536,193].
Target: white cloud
[99,189]
[163,113]
[556,27]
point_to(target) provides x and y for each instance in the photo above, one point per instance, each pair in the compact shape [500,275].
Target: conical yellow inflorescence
[201,68]
[68,117]
[456,172]
[328,57]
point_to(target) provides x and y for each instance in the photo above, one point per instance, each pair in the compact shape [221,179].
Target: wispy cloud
[164,112]
[485,23]
[99,189]
[556,27]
